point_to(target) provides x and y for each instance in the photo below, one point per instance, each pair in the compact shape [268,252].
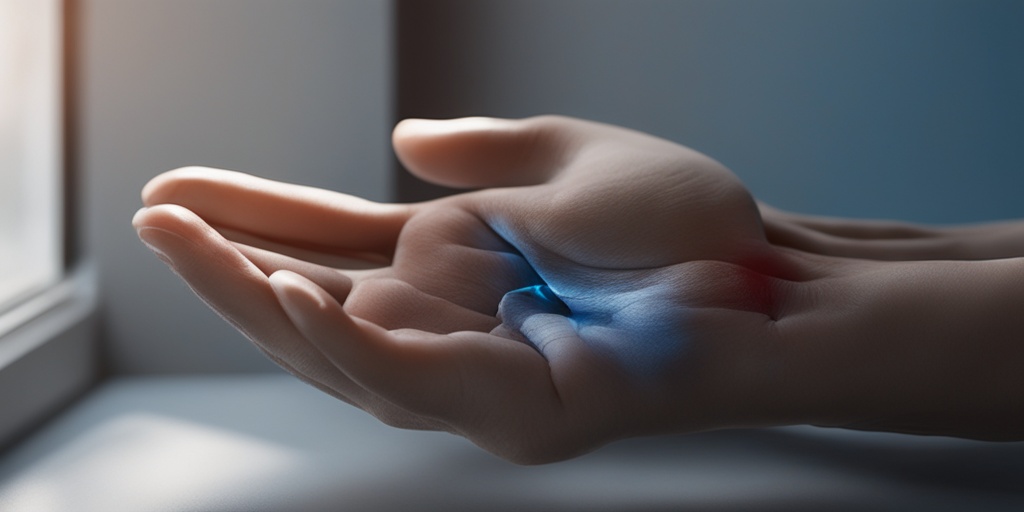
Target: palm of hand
[611,251]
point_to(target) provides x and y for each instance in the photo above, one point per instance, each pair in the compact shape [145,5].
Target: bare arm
[893,240]
[931,347]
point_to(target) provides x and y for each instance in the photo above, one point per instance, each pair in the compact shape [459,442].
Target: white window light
[46,349]
[30,148]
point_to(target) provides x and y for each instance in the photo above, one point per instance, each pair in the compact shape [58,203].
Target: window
[47,319]
[30,148]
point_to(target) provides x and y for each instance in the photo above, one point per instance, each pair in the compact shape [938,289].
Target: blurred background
[900,109]
[905,109]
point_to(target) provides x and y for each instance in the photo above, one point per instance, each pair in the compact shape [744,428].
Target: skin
[599,284]
[893,241]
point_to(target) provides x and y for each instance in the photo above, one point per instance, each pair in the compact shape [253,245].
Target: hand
[893,240]
[607,284]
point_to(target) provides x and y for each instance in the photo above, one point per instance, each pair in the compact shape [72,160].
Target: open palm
[601,283]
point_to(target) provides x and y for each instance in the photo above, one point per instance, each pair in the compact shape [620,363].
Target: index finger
[283,212]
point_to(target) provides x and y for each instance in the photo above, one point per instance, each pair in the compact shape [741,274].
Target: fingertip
[322,320]
[420,127]
[176,231]
[164,187]
[167,217]
[161,186]
[517,306]
[149,220]
[476,152]
[283,280]
[407,131]
[294,290]
[408,128]
[149,190]
[138,218]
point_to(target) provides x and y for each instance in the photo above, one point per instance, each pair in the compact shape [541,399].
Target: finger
[334,281]
[364,351]
[240,293]
[453,254]
[537,317]
[339,259]
[859,229]
[798,236]
[283,212]
[395,304]
[457,378]
[485,152]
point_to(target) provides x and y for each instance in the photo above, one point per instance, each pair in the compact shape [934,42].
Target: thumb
[536,316]
[480,152]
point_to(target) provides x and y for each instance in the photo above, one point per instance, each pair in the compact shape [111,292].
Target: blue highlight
[643,330]
[543,293]
[639,324]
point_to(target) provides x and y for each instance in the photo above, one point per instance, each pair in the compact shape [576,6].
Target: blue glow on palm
[642,330]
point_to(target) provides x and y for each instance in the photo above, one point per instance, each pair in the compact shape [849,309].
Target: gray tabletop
[268,442]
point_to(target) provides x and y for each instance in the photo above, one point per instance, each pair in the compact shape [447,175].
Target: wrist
[918,347]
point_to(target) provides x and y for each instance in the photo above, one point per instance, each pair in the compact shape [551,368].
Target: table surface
[268,442]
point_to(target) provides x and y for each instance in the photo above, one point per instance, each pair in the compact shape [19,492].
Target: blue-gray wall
[909,109]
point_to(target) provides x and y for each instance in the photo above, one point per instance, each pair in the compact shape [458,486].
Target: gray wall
[908,109]
[296,90]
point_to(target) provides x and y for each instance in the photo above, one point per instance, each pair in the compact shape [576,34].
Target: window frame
[48,353]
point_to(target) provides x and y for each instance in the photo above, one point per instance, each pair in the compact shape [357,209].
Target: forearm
[893,240]
[919,347]
[993,240]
